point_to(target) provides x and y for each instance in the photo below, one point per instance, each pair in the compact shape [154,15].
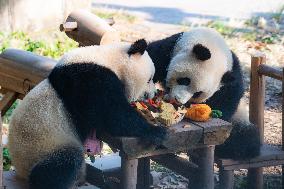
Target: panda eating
[90,88]
[198,67]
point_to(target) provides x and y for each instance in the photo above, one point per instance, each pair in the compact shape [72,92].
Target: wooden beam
[270,72]
[175,163]
[7,100]
[90,29]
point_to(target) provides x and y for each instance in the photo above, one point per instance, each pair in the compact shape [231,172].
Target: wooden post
[282,124]
[143,172]
[1,156]
[129,173]
[226,179]
[256,114]
[88,29]
[203,177]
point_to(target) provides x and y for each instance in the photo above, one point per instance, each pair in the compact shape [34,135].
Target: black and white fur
[198,67]
[90,88]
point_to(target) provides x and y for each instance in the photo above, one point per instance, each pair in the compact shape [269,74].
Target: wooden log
[256,113]
[226,179]
[21,70]
[7,100]
[143,173]
[203,177]
[129,173]
[90,30]
[270,72]
[175,163]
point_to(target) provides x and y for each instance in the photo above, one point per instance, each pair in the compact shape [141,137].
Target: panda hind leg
[58,170]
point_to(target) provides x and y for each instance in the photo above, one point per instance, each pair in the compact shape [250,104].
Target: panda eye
[183,81]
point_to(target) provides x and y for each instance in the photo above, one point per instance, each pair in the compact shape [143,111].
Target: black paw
[156,135]
[243,143]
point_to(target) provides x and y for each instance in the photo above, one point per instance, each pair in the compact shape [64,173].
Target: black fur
[161,54]
[138,46]
[58,170]
[243,142]
[228,97]
[95,98]
[201,52]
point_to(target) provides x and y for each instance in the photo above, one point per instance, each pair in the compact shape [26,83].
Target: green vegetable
[216,114]
[6,159]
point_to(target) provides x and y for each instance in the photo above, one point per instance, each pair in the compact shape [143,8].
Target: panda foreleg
[58,170]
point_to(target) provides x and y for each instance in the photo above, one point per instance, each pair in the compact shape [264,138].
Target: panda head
[200,59]
[130,62]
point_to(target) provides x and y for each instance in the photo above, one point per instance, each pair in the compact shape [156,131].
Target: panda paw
[156,135]
[243,143]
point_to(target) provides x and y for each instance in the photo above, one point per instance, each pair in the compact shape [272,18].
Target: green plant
[6,159]
[270,39]
[221,27]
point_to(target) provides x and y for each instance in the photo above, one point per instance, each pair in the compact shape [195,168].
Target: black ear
[138,46]
[201,52]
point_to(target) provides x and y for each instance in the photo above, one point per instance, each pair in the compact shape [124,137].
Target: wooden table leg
[255,178]
[129,173]
[143,172]
[226,179]
[203,177]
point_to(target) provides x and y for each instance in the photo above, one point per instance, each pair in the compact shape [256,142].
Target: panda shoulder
[81,54]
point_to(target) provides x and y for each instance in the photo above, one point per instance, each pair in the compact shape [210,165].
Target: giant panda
[197,66]
[90,88]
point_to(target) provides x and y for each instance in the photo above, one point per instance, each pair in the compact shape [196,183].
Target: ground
[255,26]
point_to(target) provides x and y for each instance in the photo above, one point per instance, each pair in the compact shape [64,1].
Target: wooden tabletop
[183,136]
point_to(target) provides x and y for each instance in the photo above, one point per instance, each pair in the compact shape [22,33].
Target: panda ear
[228,77]
[201,52]
[138,46]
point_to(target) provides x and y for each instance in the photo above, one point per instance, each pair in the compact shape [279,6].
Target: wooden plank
[270,72]
[129,173]
[203,176]
[175,163]
[283,124]
[143,173]
[215,131]
[180,138]
[269,156]
[7,100]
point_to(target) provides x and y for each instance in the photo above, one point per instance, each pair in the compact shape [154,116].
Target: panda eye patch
[183,81]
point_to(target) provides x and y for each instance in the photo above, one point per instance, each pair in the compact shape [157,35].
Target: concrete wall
[36,15]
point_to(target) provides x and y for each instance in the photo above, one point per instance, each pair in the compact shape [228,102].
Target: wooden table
[196,138]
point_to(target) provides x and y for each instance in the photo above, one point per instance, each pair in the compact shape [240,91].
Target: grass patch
[20,40]
[119,15]
[221,27]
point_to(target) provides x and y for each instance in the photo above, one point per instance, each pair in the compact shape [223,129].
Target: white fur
[40,124]
[205,75]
